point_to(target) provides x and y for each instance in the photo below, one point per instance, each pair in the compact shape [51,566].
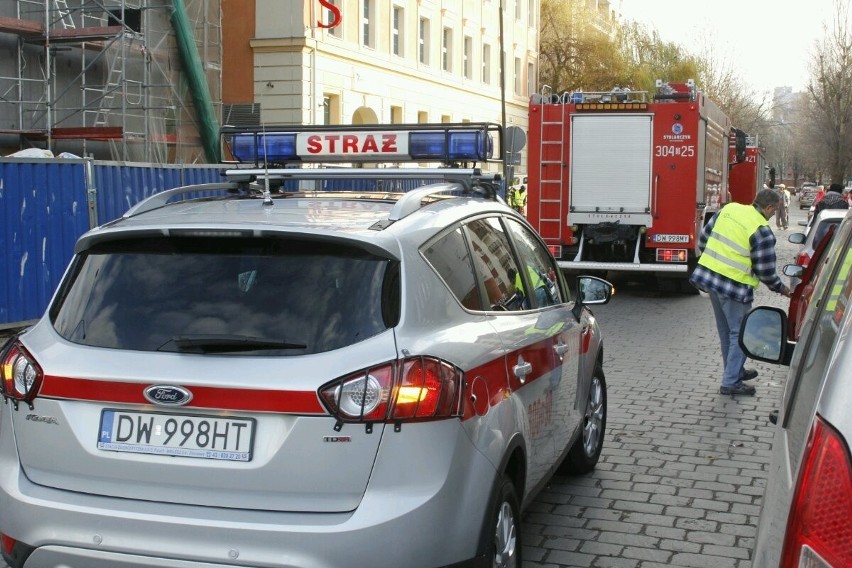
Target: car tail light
[803,259]
[819,528]
[21,375]
[413,389]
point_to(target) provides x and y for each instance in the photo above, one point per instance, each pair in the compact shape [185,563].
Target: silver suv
[806,517]
[272,372]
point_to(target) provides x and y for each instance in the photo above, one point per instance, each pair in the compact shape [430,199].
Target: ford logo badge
[167,395]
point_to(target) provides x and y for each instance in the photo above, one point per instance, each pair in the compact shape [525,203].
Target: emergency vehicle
[237,374]
[624,181]
[747,172]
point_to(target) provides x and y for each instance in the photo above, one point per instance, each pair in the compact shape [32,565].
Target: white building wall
[297,63]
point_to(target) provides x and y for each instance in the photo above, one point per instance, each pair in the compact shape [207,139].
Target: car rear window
[822,229]
[227,295]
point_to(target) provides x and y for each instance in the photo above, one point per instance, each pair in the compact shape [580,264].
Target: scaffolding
[104,78]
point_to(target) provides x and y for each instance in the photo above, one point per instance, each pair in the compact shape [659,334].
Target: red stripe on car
[287,401]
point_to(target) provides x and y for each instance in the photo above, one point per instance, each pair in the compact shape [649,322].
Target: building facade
[379,61]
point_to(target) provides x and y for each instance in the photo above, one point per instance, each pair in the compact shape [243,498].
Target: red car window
[800,299]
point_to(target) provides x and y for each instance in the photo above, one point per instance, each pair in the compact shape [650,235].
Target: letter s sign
[335,14]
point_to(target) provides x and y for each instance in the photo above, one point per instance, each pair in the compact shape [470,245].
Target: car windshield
[227,295]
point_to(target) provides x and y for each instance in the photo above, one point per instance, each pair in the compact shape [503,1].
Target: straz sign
[353,145]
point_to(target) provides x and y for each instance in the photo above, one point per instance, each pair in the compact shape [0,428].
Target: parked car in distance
[813,233]
[806,513]
[806,185]
[806,276]
[807,196]
[297,367]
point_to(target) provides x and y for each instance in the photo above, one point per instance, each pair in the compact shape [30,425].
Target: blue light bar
[275,146]
[441,144]
[460,145]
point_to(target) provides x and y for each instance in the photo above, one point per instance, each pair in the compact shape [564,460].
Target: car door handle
[561,349]
[522,369]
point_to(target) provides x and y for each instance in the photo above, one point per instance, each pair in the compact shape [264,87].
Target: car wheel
[506,520]
[584,454]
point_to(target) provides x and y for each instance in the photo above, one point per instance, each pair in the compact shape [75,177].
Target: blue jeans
[729,316]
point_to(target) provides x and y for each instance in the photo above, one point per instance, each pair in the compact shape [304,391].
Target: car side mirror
[594,290]
[797,238]
[763,335]
[793,270]
[803,223]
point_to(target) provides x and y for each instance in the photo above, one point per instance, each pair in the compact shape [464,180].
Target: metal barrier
[46,204]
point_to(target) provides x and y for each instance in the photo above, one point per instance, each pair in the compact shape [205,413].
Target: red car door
[800,299]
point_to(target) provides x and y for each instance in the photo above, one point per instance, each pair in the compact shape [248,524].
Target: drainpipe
[208,125]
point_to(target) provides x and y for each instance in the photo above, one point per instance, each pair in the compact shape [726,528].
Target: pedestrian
[738,253]
[833,199]
[782,218]
[518,199]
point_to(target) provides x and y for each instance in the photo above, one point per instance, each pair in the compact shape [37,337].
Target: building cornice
[282,44]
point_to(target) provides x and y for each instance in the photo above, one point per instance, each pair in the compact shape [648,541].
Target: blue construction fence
[48,203]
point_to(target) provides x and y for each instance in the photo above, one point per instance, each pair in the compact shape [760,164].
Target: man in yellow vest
[738,253]
[518,198]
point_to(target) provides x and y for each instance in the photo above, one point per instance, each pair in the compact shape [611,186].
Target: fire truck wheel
[583,455]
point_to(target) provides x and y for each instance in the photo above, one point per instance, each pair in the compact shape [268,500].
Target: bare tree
[830,96]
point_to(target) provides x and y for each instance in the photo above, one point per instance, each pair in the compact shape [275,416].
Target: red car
[800,299]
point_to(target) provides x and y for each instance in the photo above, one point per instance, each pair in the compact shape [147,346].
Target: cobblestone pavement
[683,469]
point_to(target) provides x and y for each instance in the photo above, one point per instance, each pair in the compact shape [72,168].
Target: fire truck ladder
[551,152]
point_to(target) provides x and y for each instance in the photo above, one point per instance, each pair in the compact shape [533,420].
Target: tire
[506,527]
[586,450]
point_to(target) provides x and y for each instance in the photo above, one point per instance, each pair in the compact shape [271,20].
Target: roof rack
[159,200]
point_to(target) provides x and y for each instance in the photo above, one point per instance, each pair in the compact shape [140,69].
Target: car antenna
[267,195]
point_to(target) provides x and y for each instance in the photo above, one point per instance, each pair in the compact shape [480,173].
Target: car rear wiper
[214,343]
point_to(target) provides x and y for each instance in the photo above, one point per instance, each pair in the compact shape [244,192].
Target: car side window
[834,293]
[450,257]
[541,271]
[495,264]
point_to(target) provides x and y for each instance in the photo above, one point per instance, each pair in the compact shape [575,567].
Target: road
[683,469]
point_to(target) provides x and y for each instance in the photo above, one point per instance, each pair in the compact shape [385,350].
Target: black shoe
[739,388]
[748,374]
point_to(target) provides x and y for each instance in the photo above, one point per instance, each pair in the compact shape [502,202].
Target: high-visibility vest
[516,198]
[535,279]
[728,251]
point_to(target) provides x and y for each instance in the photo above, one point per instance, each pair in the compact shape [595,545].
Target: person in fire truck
[738,253]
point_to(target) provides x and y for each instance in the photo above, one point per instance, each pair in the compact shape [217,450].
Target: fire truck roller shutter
[611,157]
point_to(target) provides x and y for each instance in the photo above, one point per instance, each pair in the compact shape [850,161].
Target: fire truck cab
[623,180]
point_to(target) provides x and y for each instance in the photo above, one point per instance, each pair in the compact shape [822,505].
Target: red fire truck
[624,181]
[748,167]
